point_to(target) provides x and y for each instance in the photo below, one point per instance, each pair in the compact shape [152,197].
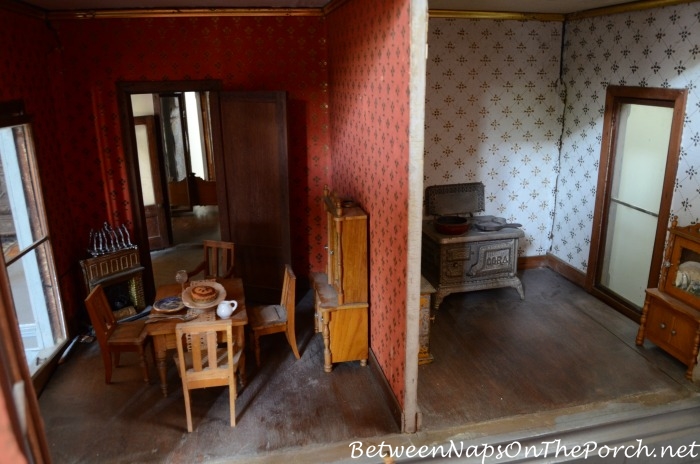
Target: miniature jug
[226,308]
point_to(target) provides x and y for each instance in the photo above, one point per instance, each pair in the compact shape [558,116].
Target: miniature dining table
[162,331]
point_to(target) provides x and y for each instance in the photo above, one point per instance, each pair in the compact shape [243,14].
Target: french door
[639,159]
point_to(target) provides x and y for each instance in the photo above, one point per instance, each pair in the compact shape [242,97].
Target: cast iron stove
[474,260]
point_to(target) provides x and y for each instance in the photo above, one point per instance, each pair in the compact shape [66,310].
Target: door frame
[615,97]
[126,116]
[165,236]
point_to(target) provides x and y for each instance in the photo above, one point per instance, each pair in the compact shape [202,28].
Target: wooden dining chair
[115,337]
[270,319]
[202,363]
[218,260]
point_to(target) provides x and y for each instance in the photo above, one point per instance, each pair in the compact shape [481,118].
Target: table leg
[240,335]
[161,352]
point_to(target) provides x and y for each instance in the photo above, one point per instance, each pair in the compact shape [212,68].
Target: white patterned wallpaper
[494,113]
[652,48]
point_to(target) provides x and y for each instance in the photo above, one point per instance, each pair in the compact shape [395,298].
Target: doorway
[249,147]
[638,164]
[173,142]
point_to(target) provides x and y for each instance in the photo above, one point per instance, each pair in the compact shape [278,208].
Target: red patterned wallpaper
[246,53]
[369,50]
[73,65]
[28,59]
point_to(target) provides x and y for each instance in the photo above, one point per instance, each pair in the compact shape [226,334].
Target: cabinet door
[682,335]
[671,331]
[253,189]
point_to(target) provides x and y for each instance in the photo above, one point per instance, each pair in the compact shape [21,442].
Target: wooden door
[170,107]
[154,206]
[250,147]
[636,180]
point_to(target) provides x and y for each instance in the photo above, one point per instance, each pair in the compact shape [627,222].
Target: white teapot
[226,308]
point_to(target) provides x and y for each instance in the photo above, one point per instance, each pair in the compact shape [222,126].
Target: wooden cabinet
[671,318]
[342,292]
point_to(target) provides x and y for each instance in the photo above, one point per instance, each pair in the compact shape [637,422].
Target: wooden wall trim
[388,394]
[181,12]
[532,262]
[566,270]
[532,16]
[625,8]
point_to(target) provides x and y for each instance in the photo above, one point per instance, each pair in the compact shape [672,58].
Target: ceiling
[516,6]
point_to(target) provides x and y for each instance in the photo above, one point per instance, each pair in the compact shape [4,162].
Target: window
[26,246]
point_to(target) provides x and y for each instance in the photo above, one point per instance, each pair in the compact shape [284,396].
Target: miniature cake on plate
[203,294]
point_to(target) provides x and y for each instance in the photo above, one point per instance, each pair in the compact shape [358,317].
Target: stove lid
[443,200]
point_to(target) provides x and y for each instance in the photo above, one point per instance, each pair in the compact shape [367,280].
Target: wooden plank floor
[496,357]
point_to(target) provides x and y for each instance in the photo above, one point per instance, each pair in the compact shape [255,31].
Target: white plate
[187,296]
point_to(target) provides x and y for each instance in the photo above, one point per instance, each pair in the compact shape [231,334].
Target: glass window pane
[27,250]
[36,305]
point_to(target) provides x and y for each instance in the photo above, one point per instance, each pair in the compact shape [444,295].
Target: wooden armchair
[113,337]
[218,260]
[265,320]
[198,368]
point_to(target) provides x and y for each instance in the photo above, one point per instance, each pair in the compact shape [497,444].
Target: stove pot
[451,225]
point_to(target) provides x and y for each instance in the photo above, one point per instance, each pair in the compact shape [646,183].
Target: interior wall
[493,115]
[28,71]
[369,52]
[246,53]
[651,48]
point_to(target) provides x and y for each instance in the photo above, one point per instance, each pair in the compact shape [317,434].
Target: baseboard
[557,265]
[532,262]
[566,270]
[388,394]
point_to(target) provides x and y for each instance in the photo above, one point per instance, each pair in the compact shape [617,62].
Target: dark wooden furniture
[203,363]
[192,191]
[270,319]
[119,272]
[342,292]
[671,314]
[113,337]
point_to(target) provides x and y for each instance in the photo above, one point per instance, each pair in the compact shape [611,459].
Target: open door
[154,203]
[249,143]
[250,152]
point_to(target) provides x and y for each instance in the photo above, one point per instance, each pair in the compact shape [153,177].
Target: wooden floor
[559,360]
[497,356]
[558,353]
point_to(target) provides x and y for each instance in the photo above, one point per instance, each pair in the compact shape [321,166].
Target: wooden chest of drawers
[476,260]
[672,325]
